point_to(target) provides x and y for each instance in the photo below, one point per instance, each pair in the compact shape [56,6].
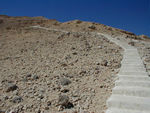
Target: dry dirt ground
[50,72]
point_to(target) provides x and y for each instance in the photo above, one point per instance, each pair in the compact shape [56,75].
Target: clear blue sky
[130,15]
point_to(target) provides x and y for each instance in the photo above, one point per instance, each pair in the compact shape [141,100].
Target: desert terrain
[49,71]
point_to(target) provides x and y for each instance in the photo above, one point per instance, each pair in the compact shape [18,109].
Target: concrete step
[134,78]
[132,62]
[131,53]
[113,110]
[133,68]
[129,56]
[129,63]
[131,59]
[132,83]
[133,73]
[131,91]
[129,102]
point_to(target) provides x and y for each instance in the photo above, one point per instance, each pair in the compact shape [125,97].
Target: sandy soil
[49,72]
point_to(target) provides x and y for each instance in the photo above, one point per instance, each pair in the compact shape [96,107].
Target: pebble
[63,100]
[11,87]
[64,81]
[104,63]
[17,99]
[35,77]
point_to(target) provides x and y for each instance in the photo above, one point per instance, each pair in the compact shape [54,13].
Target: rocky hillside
[50,71]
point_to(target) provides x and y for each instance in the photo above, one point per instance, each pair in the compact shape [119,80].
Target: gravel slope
[46,71]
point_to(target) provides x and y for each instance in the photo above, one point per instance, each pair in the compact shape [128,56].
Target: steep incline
[131,93]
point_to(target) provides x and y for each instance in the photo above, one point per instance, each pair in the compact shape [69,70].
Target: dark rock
[74,53]
[132,43]
[69,105]
[35,77]
[101,86]
[6,97]
[64,64]
[82,72]
[73,48]
[17,99]
[49,103]
[11,87]
[104,63]
[63,100]
[40,96]
[28,75]
[65,90]
[92,27]
[46,108]
[64,81]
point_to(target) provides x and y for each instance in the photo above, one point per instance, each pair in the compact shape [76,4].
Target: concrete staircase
[131,93]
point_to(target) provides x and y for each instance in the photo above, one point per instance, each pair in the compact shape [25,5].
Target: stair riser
[132,70]
[140,93]
[138,79]
[128,105]
[124,111]
[131,62]
[133,84]
[132,66]
[134,73]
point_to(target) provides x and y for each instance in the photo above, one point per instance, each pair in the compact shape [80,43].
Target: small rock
[92,27]
[101,86]
[49,103]
[74,53]
[64,81]
[104,63]
[5,98]
[46,108]
[40,96]
[17,99]
[82,72]
[35,77]
[28,75]
[11,87]
[65,90]
[63,100]
[132,43]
